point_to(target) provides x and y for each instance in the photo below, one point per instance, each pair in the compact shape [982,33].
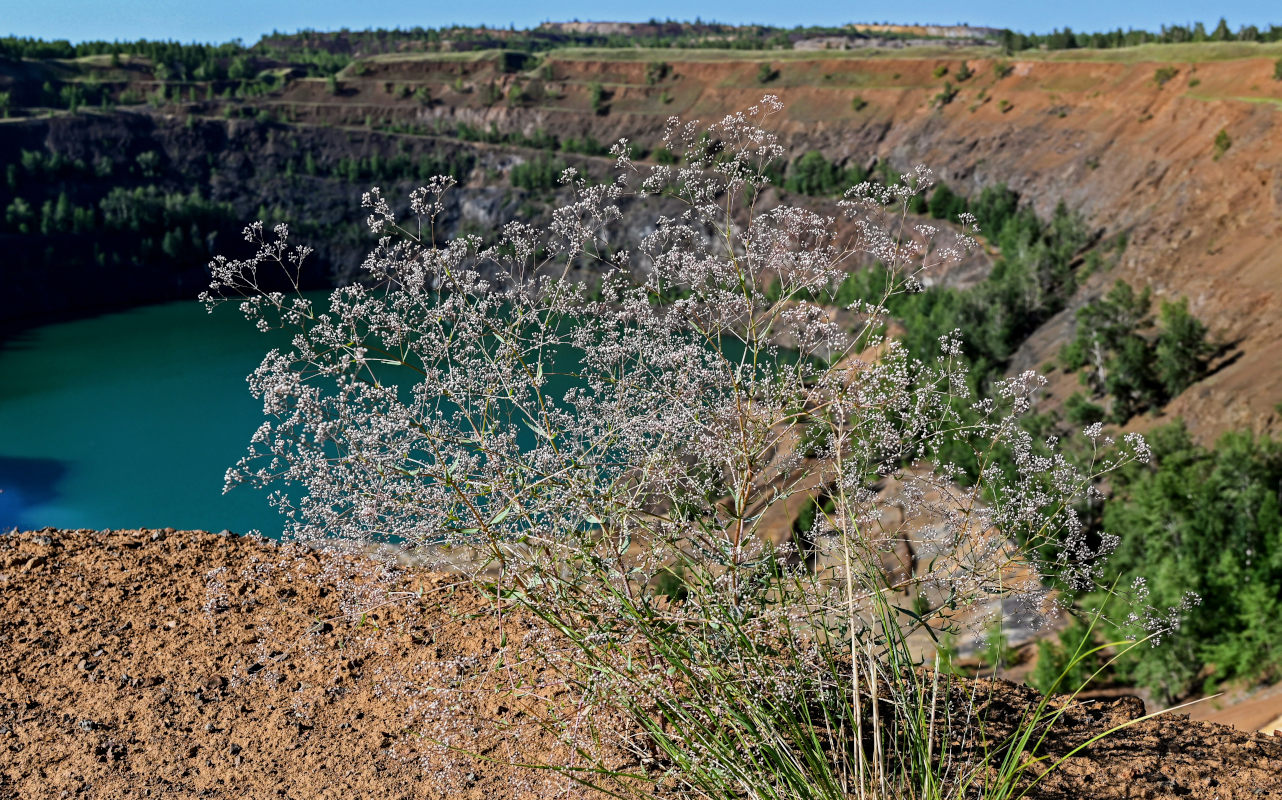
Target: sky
[224,20]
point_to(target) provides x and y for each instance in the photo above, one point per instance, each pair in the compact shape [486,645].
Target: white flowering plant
[618,436]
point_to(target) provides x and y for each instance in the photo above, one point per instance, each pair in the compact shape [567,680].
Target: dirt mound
[184,664]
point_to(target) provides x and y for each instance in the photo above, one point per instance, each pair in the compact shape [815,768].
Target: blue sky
[222,20]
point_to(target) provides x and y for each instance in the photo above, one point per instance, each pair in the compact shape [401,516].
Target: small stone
[79,607]
[33,562]
[43,541]
[87,725]
[210,728]
[234,749]
[83,665]
[155,536]
[225,532]
[320,627]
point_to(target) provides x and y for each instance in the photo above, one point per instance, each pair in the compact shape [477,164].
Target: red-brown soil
[188,664]
[1125,137]
[1134,154]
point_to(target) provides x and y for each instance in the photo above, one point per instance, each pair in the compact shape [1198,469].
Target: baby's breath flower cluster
[616,451]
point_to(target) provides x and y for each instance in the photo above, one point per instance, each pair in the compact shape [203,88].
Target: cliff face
[1131,146]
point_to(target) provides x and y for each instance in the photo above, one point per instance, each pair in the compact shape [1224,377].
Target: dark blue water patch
[26,483]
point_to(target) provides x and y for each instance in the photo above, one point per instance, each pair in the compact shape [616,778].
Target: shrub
[964,71]
[815,175]
[1221,144]
[538,174]
[946,95]
[609,458]
[663,155]
[857,103]
[1081,411]
[588,146]
[1277,70]
[657,72]
[1164,74]
[597,97]
[940,71]
[944,203]
[766,73]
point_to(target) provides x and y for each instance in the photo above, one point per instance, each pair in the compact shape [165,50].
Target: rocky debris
[245,701]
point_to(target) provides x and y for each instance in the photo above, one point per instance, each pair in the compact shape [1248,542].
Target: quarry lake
[130,420]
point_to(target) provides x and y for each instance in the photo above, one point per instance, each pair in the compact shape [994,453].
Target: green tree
[944,203]
[1206,521]
[19,215]
[1182,349]
[240,69]
[1102,325]
[813,174]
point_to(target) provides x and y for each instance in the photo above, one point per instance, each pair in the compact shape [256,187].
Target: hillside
[1126,141]
[1130,199]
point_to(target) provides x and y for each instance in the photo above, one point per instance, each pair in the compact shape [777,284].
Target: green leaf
[502,515]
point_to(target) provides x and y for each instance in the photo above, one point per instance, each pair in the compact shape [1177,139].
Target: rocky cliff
[1133,144]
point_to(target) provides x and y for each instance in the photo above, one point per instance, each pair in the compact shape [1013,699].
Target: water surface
[131,420]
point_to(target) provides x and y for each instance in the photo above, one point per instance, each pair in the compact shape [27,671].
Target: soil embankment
[187,664]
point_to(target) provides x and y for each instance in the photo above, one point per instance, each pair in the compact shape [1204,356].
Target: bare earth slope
[1125,137]
[186,664]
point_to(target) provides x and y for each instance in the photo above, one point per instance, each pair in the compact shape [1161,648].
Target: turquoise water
[130,420]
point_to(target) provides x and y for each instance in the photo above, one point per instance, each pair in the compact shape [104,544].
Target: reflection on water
[27,483]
